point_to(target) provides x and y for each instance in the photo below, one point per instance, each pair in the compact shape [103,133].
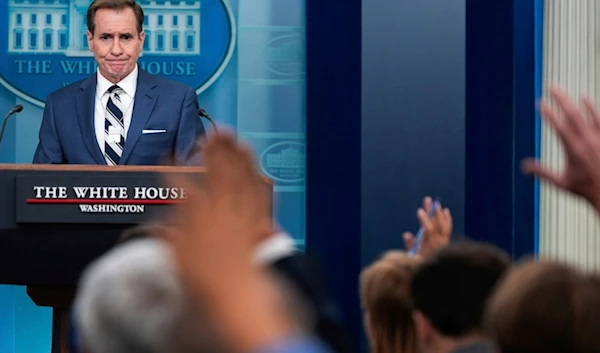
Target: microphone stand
[16,109]
[203,113]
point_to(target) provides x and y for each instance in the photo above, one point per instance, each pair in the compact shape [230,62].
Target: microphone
[205,115]
[16,109]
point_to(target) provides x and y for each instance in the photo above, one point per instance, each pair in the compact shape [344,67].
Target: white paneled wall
[569,229]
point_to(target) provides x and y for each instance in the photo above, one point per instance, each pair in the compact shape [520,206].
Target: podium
[56,219]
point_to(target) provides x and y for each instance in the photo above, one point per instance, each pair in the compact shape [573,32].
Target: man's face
[116,43]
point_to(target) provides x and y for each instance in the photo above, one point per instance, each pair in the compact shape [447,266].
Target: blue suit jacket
[67,134]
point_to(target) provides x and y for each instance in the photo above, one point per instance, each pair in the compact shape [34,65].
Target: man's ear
[423,327]
[90,36]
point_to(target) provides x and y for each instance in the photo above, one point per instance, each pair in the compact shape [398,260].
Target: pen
[419,235]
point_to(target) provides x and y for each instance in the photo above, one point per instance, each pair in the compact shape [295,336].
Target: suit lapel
[85,102]
[143,105]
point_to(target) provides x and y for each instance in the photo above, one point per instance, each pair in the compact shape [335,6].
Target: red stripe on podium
[104,201]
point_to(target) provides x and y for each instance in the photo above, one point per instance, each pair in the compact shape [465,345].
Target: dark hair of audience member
[452,287]
[385,296]
[546,307]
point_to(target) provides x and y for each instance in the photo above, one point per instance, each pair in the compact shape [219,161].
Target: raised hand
[213,241]
[436,230]
[579,130]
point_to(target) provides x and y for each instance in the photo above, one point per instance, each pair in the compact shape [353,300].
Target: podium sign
[55,219]
[80,198]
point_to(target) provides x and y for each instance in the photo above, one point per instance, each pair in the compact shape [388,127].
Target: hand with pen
[435,231]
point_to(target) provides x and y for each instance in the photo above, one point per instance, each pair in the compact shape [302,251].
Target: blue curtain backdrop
[246,58]
[503,82]
[411,98]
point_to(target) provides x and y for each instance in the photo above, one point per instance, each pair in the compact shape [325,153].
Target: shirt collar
[128,84]
[274,248]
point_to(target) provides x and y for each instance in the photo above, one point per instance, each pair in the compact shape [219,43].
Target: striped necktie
[114,127]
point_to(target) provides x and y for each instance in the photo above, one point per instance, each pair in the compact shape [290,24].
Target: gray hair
[131,300]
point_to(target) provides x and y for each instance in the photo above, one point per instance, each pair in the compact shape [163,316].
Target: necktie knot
[114,89]
[115,92]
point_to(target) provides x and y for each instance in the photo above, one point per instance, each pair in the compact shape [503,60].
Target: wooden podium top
[102,168]
[106,168]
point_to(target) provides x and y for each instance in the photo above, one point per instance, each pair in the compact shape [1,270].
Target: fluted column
[569,229]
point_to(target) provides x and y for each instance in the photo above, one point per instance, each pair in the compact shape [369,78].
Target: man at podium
[121,115]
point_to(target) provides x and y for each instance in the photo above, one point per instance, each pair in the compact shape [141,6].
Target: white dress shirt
[128,85]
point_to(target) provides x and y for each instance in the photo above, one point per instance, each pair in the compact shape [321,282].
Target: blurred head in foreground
[546,307]
[450,291]
[385,296]
[130,300]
